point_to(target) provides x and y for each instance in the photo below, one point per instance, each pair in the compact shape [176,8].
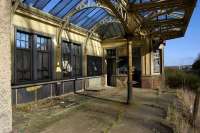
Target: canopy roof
[166,19]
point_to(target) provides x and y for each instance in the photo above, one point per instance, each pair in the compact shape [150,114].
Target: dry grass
[186,98]
[176,118]
[180,112]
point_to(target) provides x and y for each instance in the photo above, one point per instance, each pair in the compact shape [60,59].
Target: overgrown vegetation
[177,79]
[184,115]
[196,66]
[175,116]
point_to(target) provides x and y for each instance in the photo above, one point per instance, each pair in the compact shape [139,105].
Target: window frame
[99,72]
[34,35]
[157,58]
[15,57]
[69,43]
[49,43]
[73,58]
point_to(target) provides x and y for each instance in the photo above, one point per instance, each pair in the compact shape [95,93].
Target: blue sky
[184,51]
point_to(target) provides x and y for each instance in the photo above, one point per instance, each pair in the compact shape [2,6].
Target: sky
[184,51]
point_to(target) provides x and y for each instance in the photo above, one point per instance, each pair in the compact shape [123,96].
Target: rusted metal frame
[151,24]
[170,5]
[168,35]
[109,5]
[152,6]
[136,18]
[168,11]
[97,25]
[79,8]
[168,29]
[15,5]
[188,13]
[181,23]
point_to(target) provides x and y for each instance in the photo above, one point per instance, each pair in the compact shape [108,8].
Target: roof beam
[15,5]
[167,11]
[168,35]
[109,5]
[164,22]
[188,14]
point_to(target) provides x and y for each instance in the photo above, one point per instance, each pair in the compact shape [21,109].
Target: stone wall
[5,67]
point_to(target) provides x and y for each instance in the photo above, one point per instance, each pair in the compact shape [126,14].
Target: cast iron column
[130,65]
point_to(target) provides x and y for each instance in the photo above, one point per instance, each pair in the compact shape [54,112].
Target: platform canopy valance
[166,19]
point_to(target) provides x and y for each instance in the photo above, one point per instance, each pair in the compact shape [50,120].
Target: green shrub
[179,79]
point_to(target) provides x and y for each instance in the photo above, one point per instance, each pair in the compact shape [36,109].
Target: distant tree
[196,66]
[196,69]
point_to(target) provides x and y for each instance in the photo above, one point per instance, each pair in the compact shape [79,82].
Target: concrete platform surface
[102,112]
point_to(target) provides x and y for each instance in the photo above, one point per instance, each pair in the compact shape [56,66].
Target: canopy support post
[129,89]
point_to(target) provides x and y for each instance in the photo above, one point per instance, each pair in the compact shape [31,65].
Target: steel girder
[161,8]
[159,5]
[81,6]
[104,21]
[15,4]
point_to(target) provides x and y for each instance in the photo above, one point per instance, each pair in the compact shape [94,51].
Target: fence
[37,91]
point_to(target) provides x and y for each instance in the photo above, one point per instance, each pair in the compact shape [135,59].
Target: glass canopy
[87,14]
[85,18]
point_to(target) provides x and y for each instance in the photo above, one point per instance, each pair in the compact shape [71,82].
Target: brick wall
[5,68]
[152,82]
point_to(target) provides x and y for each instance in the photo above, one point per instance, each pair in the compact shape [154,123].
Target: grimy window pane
[71,60]
[43,55]
[94,65]
[156,59]
[66,60]
[23,57]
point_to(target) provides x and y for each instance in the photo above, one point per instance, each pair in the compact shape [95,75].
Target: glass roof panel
[51,5]
[59,7]
[30,2]
[85,18]
[176,14]
[40,4]
[88,16]
[68,8]
[94,19]
[139,1]
[81,15]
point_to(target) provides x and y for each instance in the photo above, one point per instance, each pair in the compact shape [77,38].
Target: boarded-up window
[94,65]
[156,61]
[23,58]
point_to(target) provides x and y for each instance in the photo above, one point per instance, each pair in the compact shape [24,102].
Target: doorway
[137,66]
[111,67]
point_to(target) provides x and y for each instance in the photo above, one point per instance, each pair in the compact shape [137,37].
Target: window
[111,53]
[156,61]
[71,60]
[32,57]
[122,65]
[77,57]
[66,60]
[43,58]
[94,65]
[23,57]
